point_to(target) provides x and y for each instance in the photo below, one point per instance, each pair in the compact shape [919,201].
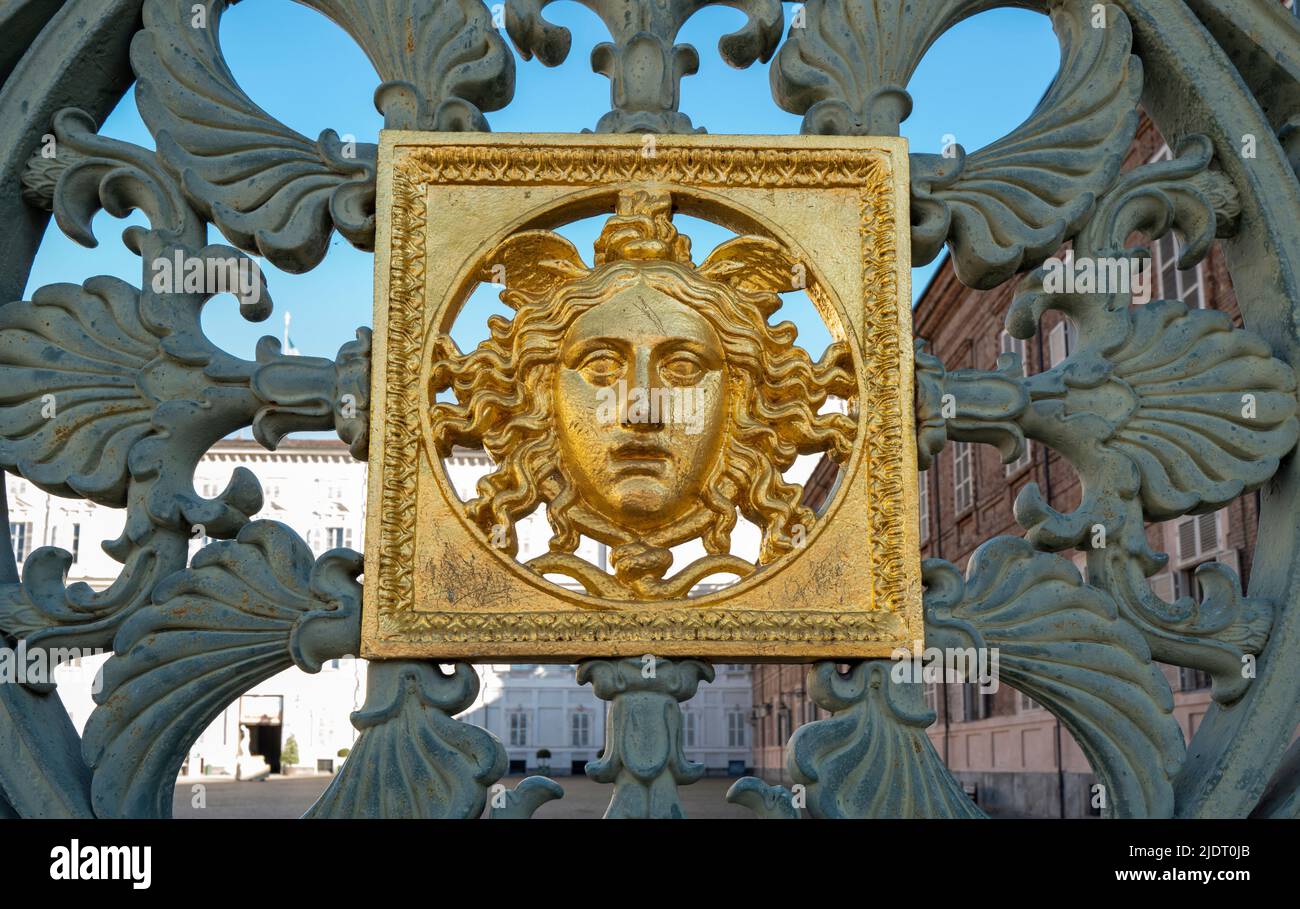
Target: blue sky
[307,72]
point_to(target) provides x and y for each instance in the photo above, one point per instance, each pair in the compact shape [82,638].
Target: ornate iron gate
[1162,411]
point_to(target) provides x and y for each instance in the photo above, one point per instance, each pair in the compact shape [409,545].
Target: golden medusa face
[640,406]
[646,402]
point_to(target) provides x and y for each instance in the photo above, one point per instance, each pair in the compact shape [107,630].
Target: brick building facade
[1013,756]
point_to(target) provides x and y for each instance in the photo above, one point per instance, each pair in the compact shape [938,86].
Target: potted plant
[544,761]
[289,755]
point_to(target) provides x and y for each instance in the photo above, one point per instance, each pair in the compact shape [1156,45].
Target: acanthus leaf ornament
[269,189]
[442,62]
[1012,203]
[245,610]
[775,803]
[872,757]
[1166,411]
[1066,645]
[116,392]
[413,759]
[528,795]
[845,68]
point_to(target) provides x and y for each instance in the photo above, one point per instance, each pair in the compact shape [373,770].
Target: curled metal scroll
[163,393]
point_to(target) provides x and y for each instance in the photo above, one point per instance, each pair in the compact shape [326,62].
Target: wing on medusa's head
[641,230]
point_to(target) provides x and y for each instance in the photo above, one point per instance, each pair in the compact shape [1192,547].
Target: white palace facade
[539,712]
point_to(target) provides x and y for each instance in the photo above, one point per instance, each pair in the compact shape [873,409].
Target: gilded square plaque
[651,402]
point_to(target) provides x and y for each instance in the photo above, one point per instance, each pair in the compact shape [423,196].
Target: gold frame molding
[861,560]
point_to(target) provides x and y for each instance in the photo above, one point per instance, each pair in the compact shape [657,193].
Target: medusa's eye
[601,366]
[681,368]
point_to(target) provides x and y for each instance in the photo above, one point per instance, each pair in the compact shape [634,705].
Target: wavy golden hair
[775,390]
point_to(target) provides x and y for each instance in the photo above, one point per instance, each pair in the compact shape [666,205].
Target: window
[923,504]
[75,548]
[782,724]
[1172,283]
[1027,703]
[963,477]
[1060,342]
[518,728]
[690,727]
[20,535]
[580,727]
[1163,585]
[1192,679]
[1026,458]
[1017,346]
[1191,542]
[1008,344]
[932,695]
[735,729]
[1196,539]
[975,704]
[338,537]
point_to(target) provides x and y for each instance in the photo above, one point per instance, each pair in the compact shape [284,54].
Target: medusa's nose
[642,406]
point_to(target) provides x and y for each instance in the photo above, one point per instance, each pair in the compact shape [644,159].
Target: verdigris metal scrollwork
[1057,639]
[518,804]
[413,760]
[772,803]
[245,610]
[42,774]
[1150,409]
[969,405]
[1065,644]
[271,190]
[1164,411]
[114,393]
[643,754]
[1010,204]
[441,61]
[643,64]
[870,758]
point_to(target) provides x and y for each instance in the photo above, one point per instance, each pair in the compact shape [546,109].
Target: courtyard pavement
[289,797]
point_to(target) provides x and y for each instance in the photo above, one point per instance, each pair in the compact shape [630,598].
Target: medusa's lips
[641,456]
